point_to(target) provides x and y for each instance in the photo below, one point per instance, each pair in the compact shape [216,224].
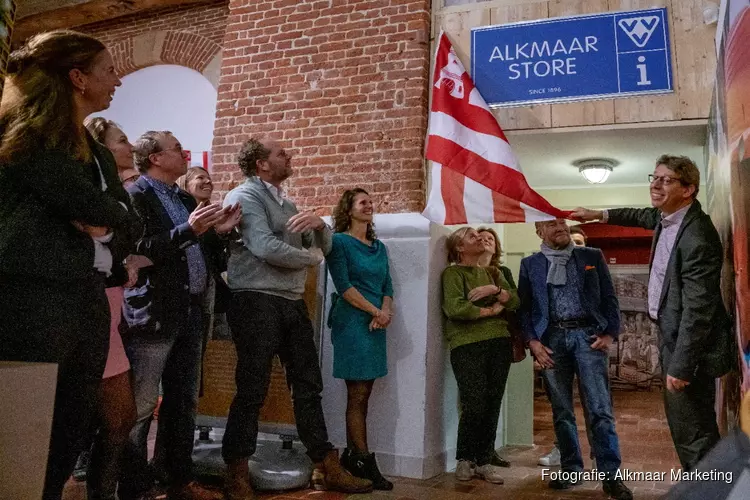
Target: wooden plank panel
[457,25]
[655,107]
[695,57]
[589,112]
[526,117]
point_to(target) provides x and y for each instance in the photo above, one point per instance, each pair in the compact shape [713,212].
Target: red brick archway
[168,47]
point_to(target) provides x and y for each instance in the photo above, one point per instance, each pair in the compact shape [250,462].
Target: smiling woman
[62,202]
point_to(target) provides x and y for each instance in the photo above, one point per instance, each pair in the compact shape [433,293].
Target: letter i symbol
[642,71]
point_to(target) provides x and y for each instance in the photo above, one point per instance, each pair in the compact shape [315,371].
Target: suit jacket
[692,319]
[41,195]
[158,303]
[596,292]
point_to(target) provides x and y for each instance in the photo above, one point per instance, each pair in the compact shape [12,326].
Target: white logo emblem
[450,76]
[639,29]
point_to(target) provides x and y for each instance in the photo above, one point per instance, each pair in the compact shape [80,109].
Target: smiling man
[684,299]
[570,315]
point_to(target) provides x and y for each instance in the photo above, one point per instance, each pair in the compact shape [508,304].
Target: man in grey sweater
[267,272]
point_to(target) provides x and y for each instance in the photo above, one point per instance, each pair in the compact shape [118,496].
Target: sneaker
[464,470]
[617,490]
[564,484]
[551,459]
[490,473]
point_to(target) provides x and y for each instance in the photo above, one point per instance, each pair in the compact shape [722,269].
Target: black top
[39,198]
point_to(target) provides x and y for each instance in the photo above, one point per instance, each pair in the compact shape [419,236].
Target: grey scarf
[558,259]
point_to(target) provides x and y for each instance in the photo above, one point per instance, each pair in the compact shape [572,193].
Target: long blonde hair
[453,242]
[38,109]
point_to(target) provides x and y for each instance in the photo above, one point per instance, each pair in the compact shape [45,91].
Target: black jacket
[693,322]
[157,305]
[39,198]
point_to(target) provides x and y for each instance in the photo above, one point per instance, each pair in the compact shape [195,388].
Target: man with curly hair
[267,273]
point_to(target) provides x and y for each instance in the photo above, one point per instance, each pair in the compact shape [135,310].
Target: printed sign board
[616,54]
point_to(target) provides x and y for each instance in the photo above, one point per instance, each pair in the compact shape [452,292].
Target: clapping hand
[231,219]
[205,216]
[304,221]
[93,231]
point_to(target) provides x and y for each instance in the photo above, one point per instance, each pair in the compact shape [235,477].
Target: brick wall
[206,20]
[343,84]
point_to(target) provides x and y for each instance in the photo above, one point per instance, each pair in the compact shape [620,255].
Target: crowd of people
[111,266]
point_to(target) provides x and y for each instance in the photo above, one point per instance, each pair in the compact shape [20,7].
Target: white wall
[166,97]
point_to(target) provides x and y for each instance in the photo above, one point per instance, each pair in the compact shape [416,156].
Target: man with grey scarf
[570,315]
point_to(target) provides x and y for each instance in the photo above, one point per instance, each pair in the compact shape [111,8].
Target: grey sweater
[270,259]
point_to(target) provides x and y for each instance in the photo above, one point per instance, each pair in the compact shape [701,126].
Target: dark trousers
[65,323]
[573,355]
[481,370]
[175,361]
[691,415]
[262,326]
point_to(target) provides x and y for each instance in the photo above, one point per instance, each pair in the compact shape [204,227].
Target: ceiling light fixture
[595,170]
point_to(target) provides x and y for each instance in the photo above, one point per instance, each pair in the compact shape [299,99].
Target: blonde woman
[480,350]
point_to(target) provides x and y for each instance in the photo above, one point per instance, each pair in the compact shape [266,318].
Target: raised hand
[230,220]
[205,216]
[585,214]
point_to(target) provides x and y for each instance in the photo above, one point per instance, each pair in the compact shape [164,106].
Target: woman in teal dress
[361,312]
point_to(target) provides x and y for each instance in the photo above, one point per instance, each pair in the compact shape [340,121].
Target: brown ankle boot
[238,481]
[330,475]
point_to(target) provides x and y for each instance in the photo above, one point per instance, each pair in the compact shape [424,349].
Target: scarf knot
[558,260]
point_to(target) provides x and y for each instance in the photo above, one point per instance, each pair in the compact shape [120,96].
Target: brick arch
[168,47]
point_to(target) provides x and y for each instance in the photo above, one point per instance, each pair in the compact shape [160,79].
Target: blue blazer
[157,305]
[596,291]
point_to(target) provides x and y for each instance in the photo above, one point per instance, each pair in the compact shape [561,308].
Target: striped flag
[202,159]
[475,175]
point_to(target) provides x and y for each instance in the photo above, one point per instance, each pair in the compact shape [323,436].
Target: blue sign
[564,59]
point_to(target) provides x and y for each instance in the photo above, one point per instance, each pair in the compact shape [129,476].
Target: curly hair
[495,259]
[342,218]
[252,151]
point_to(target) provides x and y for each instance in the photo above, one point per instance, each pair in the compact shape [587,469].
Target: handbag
[517,340]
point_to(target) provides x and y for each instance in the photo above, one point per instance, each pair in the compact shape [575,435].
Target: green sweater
[463,324]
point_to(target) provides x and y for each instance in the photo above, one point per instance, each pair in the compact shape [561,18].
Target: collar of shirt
[675,218]
[277,192]
[162,187]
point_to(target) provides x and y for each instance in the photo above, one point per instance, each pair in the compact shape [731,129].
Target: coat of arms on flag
[475,175]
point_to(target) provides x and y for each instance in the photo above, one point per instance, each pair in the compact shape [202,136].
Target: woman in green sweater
[473,301]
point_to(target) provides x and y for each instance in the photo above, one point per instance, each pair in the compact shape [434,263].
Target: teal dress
[358,353]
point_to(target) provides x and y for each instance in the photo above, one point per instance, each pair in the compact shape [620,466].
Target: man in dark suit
[570,315]
[164,313]
[684,298]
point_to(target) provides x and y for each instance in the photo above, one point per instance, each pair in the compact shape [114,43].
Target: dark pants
[65,323]
[691,415]
[481,370]
[573,355]
[262,326]
[175,361]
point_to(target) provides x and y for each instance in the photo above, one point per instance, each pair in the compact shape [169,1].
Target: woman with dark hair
[474,299]
[111,135]
[359,315]
[64,224]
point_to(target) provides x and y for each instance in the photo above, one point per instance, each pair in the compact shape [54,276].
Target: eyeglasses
[663,179]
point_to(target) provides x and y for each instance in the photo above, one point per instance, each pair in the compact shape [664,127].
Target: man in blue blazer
[570,315]
[164,313]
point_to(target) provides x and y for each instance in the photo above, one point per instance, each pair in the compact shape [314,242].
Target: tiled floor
[644,441]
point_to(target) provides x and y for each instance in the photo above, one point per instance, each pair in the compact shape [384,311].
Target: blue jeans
[174,359]
[573,355]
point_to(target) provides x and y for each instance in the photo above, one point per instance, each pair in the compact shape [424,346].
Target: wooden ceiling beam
[93,11]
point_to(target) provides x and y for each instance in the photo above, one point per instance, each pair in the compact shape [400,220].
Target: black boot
[365,466]
[616,489]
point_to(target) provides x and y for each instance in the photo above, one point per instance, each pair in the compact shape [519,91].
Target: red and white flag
[475,175]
